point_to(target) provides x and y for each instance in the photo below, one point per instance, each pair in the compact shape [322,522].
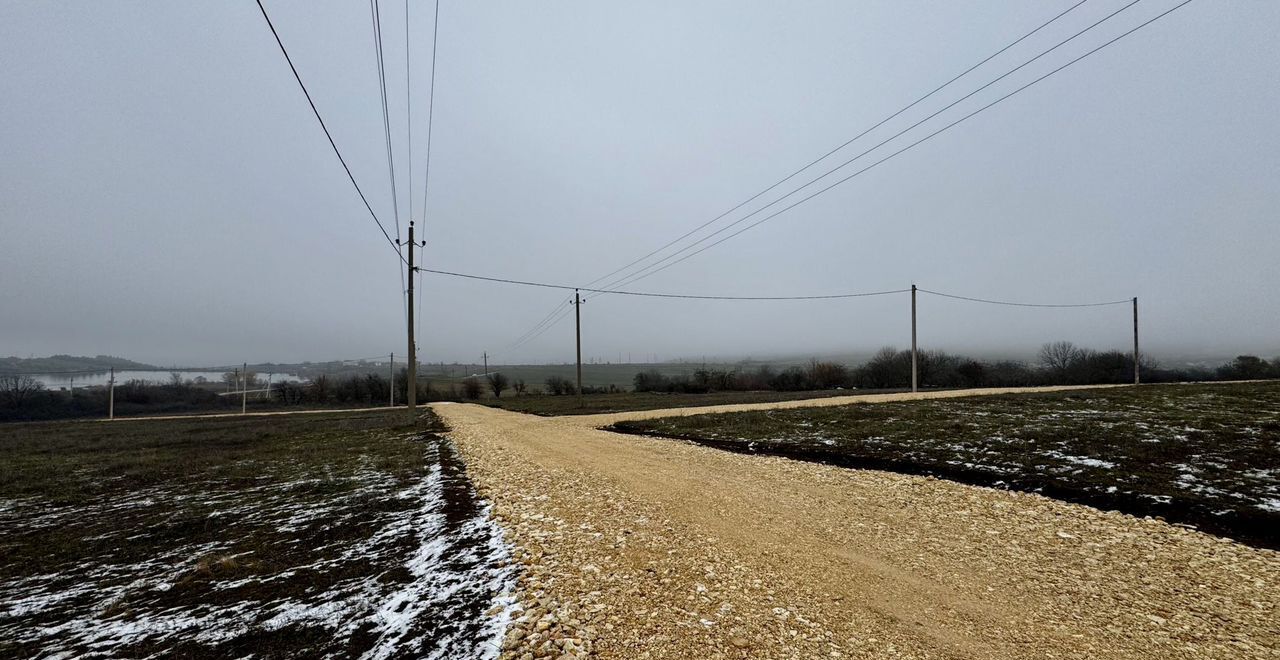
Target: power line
[376,9]
[637,277]
[431,102]
[408,105]
[564,313]
[554,310]
[847,142]
[655,267]
[327,134]
[1020,304]
[820,158]
[659,295]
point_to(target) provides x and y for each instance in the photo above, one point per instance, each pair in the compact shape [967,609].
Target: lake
[159,376]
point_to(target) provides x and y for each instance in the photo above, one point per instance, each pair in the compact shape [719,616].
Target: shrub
[559,385]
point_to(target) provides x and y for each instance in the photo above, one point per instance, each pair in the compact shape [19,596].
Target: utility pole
[393,380]
[915,384]
[413,350]
[244,388]
[1136,376]
[486,363]
[111,395]
[577,323]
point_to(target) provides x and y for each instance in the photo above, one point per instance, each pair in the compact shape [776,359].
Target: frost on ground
[1207,455]
[382,550]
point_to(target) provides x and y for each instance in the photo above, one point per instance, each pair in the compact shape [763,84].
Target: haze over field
[167,196]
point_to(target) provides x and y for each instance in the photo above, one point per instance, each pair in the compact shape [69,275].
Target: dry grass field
[329,534]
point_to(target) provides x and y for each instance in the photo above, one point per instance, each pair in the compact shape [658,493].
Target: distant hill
[56,363]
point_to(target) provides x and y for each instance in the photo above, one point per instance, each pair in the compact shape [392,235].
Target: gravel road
[643,548]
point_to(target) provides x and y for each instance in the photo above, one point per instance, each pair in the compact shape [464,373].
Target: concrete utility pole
[111,395]
[393,380]
[577,323]
[413,350]
[486,363]
[244,388]
[1137,379]
[915,385]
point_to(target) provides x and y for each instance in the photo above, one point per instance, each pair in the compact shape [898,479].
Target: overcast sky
[167,196]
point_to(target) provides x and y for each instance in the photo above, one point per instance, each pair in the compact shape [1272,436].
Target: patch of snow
[1081,460]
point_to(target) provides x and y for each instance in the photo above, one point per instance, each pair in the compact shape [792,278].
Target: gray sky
[166,195]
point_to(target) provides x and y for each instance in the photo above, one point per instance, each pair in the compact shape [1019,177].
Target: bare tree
[471,388]
[17,389]
[1059,355]
[497,383]
[519,386]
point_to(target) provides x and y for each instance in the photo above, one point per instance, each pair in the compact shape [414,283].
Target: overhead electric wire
[655,268]
[554,310]
[408,105]
[658,295]
[913,144]
[1020,304]
[825,155]
[562,316]
[431,102]
[847,142]
[375,10]
[327,134]
[559,315]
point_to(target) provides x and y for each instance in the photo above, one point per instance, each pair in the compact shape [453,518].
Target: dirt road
[638,547]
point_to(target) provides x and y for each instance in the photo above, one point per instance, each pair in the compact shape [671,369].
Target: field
[602,375]
[1207,455]
[545,404]
[329,534]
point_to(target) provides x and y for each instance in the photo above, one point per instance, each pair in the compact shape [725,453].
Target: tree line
[22,398]
[1060,363]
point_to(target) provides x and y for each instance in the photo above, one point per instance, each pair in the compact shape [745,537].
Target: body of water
[159,377]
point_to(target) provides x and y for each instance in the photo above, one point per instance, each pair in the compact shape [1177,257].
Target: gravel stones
[641,548]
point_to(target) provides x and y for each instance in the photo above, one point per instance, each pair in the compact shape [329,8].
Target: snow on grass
[1085,461]
[1206,455]
[413,565]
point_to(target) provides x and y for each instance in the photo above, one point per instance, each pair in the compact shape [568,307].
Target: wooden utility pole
[244,388]
[577,324]
[111,395]
[915,384]
[1137,378]
[413,350]
[393,380]
[486,364]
